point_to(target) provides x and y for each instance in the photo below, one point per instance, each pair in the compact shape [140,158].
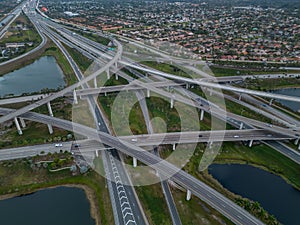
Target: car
[200,135]
[77,145]
[269,135]
[58,145]
[236,136]
[134,139]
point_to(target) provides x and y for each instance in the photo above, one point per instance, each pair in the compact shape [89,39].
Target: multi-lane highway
[198,188]
[129,146]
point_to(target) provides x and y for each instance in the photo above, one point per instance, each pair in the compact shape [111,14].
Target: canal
[271,191]
[41,74]
[292,92]
[59,206]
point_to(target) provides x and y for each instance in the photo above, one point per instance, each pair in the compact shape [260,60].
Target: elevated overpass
[225,206]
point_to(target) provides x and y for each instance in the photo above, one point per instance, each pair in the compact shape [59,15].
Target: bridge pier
[75,97]
[240,97]
[174,147]
[95,82]
[250,143]
[117,77]
[23,124]
[107,74]
[188,195]
[134,162]
[296,141]
[187,86]
[49,109]
[148,93]
[271,101]
[201,114]
[18,126]
[241,125]
[105,93]
[51,114]
[210,144]
[116,64]
[96,152]
[172,103]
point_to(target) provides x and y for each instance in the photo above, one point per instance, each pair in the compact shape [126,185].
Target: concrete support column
[240,97]
[96,152]
[105,93]
[107,74]
[116,64]
[299,147]
[241,126]
[188,195]
[50,128]
[23,124]
[51,114]
[187,85]
[201,114]
[148,93]
[18,126]
[174,147]
[271,101]
[296,141]
[172,103]
[210,92]
[49,109]
[95,82]
[250,143]
[75,97]
[117,77]
[134,162]
[210,144]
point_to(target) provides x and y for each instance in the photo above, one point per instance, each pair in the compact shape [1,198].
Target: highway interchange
[133,214]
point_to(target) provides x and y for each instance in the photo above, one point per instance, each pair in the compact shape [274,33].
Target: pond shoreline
[89,194]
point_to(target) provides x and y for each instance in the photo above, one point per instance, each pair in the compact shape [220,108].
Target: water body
[295,106]
[42,73]
[271,191]
[59,206]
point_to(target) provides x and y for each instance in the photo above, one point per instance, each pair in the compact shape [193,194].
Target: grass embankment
[19,177]
[53,50]
[167,68]
[271,84]
[154,205]
[82,61]
[94,37]
[225,71]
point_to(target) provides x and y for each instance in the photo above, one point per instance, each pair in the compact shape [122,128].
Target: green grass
[154,206]
[82,61]
[121,119]
[271,84]
[167,68]
[95,37]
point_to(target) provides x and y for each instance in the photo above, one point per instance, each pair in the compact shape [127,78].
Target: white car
[58,145]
